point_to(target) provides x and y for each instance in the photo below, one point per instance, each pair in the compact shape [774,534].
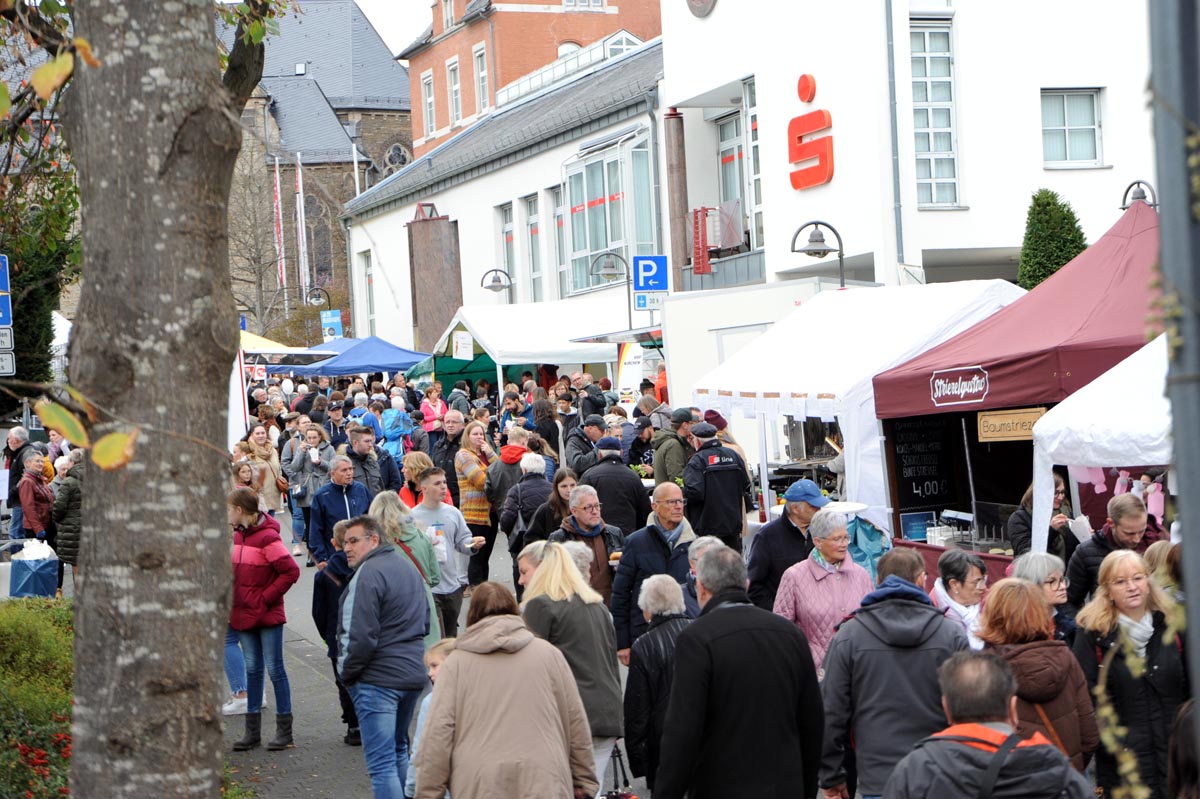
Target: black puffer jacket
[443,456]
[529,494]
[1145,705]
[67,514]
[647,691]
[580,452]
[1021,537]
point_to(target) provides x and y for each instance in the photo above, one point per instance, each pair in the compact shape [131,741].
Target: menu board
[924,471]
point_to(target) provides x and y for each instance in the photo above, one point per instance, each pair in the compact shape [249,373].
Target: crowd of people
[785,670]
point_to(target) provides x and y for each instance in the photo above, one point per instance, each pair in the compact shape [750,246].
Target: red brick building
[476,54]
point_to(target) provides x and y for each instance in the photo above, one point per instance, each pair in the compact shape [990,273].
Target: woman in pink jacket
[434,408]
[826,587]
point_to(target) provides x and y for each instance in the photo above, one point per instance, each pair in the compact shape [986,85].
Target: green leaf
[56,417]
[114,450]
[5,102]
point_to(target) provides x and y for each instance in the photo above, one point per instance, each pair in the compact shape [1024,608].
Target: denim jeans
[259,645]
[383,717]
[297,523]
[16,530]
[235,664]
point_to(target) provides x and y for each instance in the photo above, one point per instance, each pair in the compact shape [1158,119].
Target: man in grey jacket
[382,621]
[881,682]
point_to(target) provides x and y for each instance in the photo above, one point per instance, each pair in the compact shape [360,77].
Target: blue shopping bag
[33,578]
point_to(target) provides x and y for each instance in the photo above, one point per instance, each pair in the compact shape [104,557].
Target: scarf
[968,615]
[819,559]
[597,530]
[1138,632]
[260,453]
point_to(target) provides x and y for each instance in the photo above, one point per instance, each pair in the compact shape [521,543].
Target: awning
[371,354]
[259,349]
[1053,341]
[532,333]
[650,337]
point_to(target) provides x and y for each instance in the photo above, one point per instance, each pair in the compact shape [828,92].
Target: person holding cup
[310,466]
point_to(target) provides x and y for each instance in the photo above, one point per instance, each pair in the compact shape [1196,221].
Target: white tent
[537,332]
[819,361]
[1123,417]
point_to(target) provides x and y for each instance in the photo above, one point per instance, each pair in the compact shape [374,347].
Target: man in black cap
[645,389]
[581,444]
[625,500]
[717,488]
[673,448]
[638,449]
[335,424]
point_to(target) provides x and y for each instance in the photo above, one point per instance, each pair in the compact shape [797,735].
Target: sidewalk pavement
[321,765]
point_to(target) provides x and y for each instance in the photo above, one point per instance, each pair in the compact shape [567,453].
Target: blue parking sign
[6,315]
[650,273]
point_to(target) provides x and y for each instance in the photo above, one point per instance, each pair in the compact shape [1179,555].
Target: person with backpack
[520,503]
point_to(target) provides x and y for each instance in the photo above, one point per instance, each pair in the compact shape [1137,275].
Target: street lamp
[610,272]
[817,248]
[501,281]
[315,295]
[1137,191]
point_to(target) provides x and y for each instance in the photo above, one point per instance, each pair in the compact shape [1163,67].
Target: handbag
[281,483]
[622,790]
[413,558]
[299,491]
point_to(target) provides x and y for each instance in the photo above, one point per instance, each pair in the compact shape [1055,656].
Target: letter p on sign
[650,273]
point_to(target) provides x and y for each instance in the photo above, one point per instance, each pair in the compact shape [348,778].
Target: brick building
[477,54]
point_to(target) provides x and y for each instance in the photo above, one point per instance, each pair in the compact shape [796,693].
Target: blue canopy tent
[371,354]
[336,345]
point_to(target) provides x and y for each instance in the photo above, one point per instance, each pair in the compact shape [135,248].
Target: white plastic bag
[1082,528]
[438,539]
[35,550]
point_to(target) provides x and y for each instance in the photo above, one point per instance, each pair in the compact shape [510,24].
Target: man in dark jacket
[978,695]
[880,686]
[447,447]
[591,398]
[651,666]
[745,718]
[782,543]
[661,547]
[382,622]
[635,443]
[375,468]
[328,587]
[340,498]
[673,448]
[16,449]
[626,501]
[459,399]
[717,488]
[335,423]
[581,444]
[1128,527]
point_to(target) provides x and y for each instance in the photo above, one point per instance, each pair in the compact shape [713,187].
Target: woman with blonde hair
[1127,616]
[414,465]
[562,608]
[471,466]
[397,520]
[1052,693]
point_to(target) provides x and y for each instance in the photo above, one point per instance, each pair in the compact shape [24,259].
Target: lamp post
[817,248]
[501,281]
[315,295]
[610,272]
[1137,191]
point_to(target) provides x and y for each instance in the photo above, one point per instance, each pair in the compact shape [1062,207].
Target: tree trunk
[154,137]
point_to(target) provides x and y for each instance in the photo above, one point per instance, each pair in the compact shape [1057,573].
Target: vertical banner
[629,375]
[280,256]
[331,324]
[238,416]
[301,228]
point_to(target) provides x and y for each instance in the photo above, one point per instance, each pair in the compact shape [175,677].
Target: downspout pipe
[651,107]
[897,209]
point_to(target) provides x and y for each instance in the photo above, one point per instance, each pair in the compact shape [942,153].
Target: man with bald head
[661,547]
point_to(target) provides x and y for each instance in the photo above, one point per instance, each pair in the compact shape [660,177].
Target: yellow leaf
[87,406]
[114,450]
[49,76]
[84,48]
[5,102]
[56,417]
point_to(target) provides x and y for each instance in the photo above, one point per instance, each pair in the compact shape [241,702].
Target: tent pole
[764,471]
[970,481]
[499,386]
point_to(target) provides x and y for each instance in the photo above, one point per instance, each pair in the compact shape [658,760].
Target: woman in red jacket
[263,571]
[37,505]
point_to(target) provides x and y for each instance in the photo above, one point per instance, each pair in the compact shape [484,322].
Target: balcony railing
[743,269]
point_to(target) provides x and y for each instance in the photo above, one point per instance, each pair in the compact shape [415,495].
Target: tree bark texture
[154,138]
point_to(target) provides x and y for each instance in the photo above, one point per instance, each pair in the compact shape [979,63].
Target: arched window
[567,47]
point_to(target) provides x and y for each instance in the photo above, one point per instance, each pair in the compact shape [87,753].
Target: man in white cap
[783,542]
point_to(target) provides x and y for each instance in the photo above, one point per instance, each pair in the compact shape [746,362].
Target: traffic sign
[8,364]
[650,273]
[6,338]
[648,301]
[6,316]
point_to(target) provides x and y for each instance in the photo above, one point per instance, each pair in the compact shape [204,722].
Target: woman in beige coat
[506,719]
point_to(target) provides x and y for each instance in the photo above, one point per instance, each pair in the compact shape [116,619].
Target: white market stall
[482,339]
[1095,427]
[820,359]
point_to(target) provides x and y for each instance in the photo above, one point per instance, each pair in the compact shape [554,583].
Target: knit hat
[715,419]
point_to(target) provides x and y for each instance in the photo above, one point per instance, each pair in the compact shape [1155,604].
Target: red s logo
[820,148]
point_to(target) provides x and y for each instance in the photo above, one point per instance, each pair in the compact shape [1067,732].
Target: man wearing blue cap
[784,542]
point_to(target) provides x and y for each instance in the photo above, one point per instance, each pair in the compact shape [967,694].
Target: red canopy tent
[1046,345]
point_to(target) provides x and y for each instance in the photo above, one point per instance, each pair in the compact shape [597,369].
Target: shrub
[1052,238]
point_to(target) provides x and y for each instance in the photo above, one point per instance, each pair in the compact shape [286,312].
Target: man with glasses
[382,621]
[717,488]
[661,547]
[584,524]
[1128,527]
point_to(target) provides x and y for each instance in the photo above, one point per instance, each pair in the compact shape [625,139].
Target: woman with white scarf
[1128,609]
[959,590]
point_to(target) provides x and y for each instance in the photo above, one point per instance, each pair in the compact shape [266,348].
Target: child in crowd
[246,476]
[434,659]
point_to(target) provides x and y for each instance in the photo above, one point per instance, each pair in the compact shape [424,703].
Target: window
[369,275]
[481,80]
[560,242]
[427,97]
[533,244]
[566,48]
[610,208]
[729,157]
[933,116]
[447,14]
[395,159]
[583,5]
[750,105]
[1071,127]
[619,43]
[506,241]
[454,92]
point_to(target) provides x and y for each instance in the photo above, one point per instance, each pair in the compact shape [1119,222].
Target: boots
[283,733]
[252,738]
[353,737]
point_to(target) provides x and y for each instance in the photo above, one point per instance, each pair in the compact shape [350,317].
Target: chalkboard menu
[924,472]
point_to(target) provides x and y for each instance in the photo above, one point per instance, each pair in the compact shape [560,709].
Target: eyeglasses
[839,540]
[589,508]
[1060,492]
[1125,582]
[671,502]
[1056,583]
